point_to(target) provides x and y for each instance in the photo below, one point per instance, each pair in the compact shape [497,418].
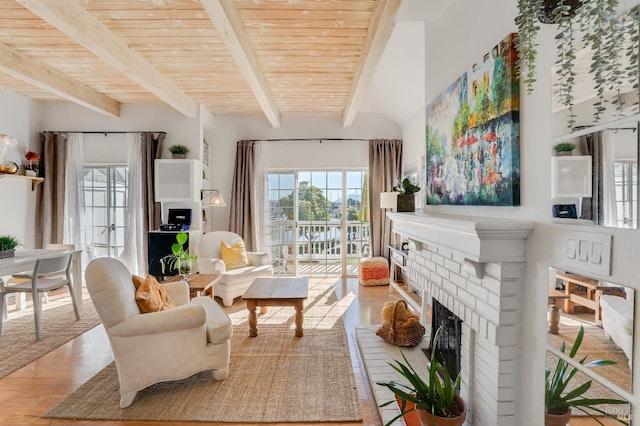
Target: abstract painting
[472,134]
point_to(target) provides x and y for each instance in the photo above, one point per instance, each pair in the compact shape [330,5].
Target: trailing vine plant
[613,41]
[528,27]
[565,42]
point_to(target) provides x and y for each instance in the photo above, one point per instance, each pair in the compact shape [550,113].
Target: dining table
[25,260]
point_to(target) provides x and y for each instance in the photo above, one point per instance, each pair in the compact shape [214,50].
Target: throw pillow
[137,281]
[234,256]
[152,297]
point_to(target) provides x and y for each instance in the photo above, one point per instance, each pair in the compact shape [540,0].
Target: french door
[105,195]
[318,222]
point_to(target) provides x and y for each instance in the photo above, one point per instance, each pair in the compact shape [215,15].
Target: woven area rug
[18,344]
[275,377]
[595,345]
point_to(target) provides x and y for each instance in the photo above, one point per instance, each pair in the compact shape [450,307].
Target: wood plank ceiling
[269,57]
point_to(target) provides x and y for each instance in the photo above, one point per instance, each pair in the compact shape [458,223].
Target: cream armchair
[233,283]
[159,346]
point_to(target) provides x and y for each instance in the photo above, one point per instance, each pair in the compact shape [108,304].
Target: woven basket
[406,335]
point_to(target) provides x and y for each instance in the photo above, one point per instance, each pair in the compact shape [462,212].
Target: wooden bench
[585,292]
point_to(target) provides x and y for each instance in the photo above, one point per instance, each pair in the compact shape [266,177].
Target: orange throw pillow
[151,296]
[234,256]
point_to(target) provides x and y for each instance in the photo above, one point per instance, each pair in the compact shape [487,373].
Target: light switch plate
[588,252]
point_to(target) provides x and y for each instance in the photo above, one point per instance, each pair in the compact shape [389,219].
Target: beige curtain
[49,220]
[385,167]
[243,196]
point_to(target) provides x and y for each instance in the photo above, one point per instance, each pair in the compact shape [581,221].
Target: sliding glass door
[318,224]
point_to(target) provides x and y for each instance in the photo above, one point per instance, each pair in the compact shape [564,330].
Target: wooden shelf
[35,181]
[412,299]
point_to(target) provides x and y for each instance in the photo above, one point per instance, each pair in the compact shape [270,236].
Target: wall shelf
[35,181]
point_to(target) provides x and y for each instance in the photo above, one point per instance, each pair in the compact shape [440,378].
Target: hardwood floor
[32,390]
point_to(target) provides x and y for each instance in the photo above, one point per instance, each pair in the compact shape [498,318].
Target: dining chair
[41,280]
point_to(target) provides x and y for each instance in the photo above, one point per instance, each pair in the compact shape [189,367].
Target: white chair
[48,274]
[158,346]
[233,283]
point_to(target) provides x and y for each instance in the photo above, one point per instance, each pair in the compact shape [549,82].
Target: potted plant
[8,244]
[406,195]
[31,168]
[435,399]
[558,399]
[179,260]
[564,148]
[178,151]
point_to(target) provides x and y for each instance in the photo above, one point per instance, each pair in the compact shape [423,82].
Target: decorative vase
[5,254]
[179,156]
[184,267]
[406,202]
[564,153]
[428,419]
[9,167]
[557,419]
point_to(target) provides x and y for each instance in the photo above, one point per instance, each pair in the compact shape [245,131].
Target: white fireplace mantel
[480,239]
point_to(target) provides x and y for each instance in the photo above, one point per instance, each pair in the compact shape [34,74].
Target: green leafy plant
[559,400]
[178,254]
[565,147]
[8,242]
[405,187]
[178,149]
[436,395]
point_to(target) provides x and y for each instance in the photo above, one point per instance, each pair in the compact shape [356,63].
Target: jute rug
[595,345]
[275,377]
[58,324]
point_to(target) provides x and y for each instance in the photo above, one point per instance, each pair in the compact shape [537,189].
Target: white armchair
[233,283]
[159,346]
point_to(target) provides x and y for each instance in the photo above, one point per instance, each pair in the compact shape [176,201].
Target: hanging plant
[593,24]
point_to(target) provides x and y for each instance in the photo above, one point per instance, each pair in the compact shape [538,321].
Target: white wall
[153,117]
[21,118]
[467,30]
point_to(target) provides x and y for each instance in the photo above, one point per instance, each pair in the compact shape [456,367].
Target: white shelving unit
[399,275]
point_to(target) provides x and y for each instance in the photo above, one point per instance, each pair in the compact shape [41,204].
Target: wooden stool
[373,271]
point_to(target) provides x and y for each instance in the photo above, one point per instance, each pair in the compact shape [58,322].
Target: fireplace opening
[449,344]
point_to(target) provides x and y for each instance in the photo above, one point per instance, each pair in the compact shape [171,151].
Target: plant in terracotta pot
[564,148]
[559,400]
[179,260]
[178,151]
[435,399]
[8,244]
[406,195]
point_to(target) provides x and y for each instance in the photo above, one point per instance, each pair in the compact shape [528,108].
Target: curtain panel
[593,207]
[385,168]
[50,202]
[244,198]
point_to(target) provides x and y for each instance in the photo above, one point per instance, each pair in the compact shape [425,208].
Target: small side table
[556,300]
[199,284]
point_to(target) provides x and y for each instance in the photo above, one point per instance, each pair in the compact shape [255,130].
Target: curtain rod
[101,133]
[311,139]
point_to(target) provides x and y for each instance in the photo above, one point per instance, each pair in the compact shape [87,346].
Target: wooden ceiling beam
[225,17]
[378,35]
[80,25]
[25,68]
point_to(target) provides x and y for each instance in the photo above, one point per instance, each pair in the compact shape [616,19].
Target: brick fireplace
[474,267]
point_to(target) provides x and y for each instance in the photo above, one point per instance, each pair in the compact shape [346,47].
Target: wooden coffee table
[280,291]
[198,283]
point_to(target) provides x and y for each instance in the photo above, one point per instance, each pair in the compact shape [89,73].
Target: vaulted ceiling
[269,57]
